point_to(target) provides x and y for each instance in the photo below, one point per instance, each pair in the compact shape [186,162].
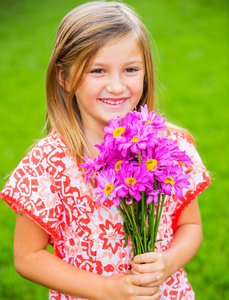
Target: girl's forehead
[120,48]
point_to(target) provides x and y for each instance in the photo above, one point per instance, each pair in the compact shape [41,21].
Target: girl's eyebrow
[101,64]
[137,61]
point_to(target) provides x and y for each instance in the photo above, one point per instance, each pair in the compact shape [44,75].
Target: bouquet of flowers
[136,168]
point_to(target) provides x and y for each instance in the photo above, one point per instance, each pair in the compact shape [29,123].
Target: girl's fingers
[149,292]
[149,257]
[128,272]
[156,296]
[133,287]
[156,288]
[155,280]
[139,280]
[143,268]
[149,263]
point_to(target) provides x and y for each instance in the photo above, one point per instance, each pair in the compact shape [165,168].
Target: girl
[101,67]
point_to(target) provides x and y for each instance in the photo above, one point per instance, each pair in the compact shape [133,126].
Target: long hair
[81,33]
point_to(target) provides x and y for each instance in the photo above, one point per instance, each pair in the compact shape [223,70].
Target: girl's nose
[116,85]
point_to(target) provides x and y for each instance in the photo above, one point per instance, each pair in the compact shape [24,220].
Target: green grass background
[192,67]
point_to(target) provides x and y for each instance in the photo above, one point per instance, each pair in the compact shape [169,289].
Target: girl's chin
[114,114]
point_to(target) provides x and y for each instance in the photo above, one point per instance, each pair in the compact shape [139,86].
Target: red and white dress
[49,187]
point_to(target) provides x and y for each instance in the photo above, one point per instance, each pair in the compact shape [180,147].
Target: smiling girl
[111,87]
[101,67]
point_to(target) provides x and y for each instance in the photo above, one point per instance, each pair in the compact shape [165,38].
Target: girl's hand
[154,263]
[186,242]
[130,287]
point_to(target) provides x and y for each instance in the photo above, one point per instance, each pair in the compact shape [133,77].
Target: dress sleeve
[32,189]
[199,177]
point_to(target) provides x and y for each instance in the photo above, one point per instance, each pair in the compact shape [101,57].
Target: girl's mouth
[113,101]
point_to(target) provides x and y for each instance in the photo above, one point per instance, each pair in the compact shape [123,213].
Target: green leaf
[125,234]
[159,240]
[149,246]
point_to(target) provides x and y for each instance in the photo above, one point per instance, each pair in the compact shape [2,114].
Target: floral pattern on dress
[49,186]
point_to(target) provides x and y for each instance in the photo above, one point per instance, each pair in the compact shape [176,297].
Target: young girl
[101,67]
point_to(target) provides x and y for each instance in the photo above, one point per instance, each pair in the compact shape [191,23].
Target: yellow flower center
[117,165]
[130,181]
[108,189]
[169,180]
[118,131]
[151,164]
[148,122]
[135,139]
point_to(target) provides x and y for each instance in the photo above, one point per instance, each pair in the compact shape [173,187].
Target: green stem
[128,230]
[156,221]
[151,223]
[126,211]
[159,215]
[138,237]
[143,210]
[161,208]
[139,158]
[134,226]
[137,212]
[143,223]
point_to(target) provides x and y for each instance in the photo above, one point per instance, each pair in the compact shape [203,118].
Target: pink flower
[139,138]
[151,118]
[115,133]
[175,152]
[132,180]
[152,196]
[90,167]
[173,179]
[156,157]
[137,163]
[106,188]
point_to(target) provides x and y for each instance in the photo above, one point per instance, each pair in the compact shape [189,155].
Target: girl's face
[113,84]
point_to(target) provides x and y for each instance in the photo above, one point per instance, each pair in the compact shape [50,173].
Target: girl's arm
[34,262]
[185,244]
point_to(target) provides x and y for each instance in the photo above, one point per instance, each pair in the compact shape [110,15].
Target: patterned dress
[48,186]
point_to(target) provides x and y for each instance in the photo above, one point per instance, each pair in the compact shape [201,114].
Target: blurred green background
[192,67]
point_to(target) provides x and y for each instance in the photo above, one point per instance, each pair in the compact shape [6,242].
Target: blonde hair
[81,33]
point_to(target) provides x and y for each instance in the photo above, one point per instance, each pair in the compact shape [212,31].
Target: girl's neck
[93,137]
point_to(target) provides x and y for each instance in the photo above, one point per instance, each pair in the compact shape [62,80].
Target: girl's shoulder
[49,149]
[184,141]
[182,138]
[199,177]
[187,144]
[49,155]
[49,142]
[35,186]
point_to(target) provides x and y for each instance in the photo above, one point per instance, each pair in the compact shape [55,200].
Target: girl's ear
[62,78]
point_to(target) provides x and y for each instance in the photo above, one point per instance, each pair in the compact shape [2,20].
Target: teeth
[112,102]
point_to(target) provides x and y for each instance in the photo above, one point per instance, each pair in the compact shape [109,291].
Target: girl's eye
[97,71]
[130,70]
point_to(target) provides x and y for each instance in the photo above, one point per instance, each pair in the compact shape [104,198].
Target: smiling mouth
[113,102]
